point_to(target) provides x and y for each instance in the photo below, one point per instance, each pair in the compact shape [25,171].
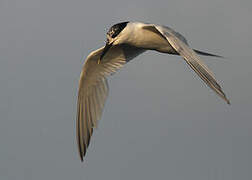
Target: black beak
[105,50]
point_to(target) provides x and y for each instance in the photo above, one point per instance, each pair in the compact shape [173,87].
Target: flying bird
[125,41]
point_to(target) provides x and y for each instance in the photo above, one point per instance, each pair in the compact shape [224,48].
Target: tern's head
[114,31]
[113,36]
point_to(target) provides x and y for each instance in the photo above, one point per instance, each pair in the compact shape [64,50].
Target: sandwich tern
[125,41]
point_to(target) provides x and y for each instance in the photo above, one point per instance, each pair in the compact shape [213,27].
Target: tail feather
[207,54]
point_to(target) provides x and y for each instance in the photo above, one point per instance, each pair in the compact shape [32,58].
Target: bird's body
[141,37]
[125,41]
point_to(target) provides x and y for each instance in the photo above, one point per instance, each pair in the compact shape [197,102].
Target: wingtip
[228,102]
[82,156]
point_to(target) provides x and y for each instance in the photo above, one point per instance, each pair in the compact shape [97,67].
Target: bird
[125,41]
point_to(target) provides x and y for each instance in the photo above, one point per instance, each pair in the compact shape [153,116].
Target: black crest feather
[116,29]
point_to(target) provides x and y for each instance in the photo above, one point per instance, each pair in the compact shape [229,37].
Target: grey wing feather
[93,89]
[192,59]
[182,38]
[177,34]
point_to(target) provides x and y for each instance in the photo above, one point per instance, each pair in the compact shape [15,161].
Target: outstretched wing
[192,59]
[93,89]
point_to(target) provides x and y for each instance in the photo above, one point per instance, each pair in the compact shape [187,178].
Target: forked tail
[206,54]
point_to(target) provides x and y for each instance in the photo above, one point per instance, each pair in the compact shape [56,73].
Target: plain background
[160,120]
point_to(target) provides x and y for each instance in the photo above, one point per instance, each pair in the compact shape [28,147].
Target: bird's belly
[152,41]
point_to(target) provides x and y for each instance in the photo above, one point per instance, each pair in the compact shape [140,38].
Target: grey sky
[149,129]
